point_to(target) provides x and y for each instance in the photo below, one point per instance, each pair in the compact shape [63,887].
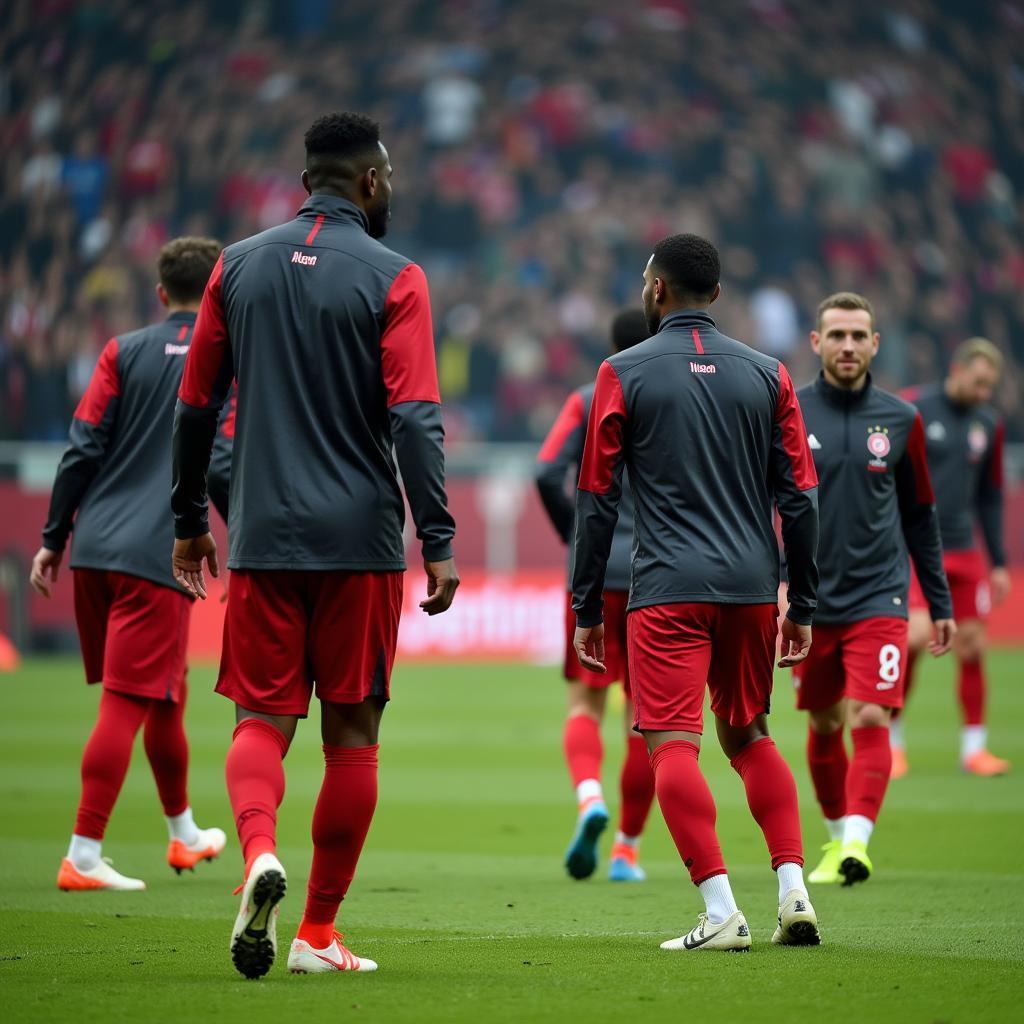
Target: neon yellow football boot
[854,863]
[827,871]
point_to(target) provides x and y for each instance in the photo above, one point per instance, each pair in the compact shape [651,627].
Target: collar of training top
[841,396]
[182,315]
[686,318]
[333,208]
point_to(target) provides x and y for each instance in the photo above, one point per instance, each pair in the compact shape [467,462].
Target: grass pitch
[461,896]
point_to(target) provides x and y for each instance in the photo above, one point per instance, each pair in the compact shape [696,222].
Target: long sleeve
[597,497]
[795,483]
[205,383]
[91,429]
[560,455]
[414,405]
[989,501]
[219,474]
[920,522]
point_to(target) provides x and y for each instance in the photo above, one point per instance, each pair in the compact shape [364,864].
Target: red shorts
[288,632]
[862,660]
[677,649]
[615,660]
[968,584]
[133,633]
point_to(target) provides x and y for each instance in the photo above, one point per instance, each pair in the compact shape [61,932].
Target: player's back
[124,522]
[306,306]
[701,415]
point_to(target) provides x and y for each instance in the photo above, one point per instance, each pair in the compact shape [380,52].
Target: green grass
[461,896]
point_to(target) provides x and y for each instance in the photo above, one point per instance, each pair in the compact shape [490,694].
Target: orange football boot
[103,876]
[985,764]
[209,845]
[900,764]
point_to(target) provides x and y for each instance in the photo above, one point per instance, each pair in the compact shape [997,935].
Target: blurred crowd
[539,150]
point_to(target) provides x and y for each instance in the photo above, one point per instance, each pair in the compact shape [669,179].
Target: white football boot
[305,959]
[798,924]
[102,876]
[731,935]
[254,937]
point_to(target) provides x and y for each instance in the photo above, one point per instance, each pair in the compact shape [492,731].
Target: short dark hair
[689,264]
[342,135]
[629,328]
[185,264]
[846,300]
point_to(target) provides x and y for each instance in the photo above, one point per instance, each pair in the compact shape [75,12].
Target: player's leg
[167,750]
[344,811]
[636,780]
[969,649]
[740,680]
[584,753]
[264,672]
[353,633]
[105,763]
[920,632]
[669,655]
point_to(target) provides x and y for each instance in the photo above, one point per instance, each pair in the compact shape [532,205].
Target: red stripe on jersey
[104,385]
[407,344]
[182,332]
[209,345]
[568,420]
[794,434]
[919,463]
[316,227]
[604,432]
[996,459]
[696,341]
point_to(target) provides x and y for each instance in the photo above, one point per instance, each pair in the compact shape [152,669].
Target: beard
[653,318]
[378,220]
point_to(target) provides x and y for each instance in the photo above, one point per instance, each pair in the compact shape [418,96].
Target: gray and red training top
[965,458]
[711,433]
[328,337]
[116,471]
[876,504]
[558,463]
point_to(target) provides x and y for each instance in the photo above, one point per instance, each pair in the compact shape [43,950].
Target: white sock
[791,876]
[182,826]
[621,837]
[588,789]
[896,738]
[835,827]
[718,898]
[972,739]
[84,853]
[857,829]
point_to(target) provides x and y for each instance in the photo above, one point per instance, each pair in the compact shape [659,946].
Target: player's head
[682,273]
[184,266]
[629,328]
[345,157]
[974,372]
[845,339]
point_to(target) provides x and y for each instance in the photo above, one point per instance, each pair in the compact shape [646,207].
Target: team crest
[879,446]
[977,441]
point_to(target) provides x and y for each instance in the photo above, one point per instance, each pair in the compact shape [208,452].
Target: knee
[828,721]
[869,716]
[970,643]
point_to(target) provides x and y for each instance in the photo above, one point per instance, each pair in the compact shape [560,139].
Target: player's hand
[187,562]
[945,630]
[45,564]
[796,643]
[589,644]
[442,582]
[1000,583]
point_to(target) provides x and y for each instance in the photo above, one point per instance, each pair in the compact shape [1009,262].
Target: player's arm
[414,407]
[989,506]
[218,478]
[597,510]
[794,482]
[89,438]
[205,383]
[559,455]
[919,520]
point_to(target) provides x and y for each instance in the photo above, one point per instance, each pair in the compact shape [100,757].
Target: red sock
[636,785]
[688,808]
[869,771]
[771,797]
[105,760]
[341,820]
[167,749]
[826,757]
[255,777]
[972,692]
[581,740]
